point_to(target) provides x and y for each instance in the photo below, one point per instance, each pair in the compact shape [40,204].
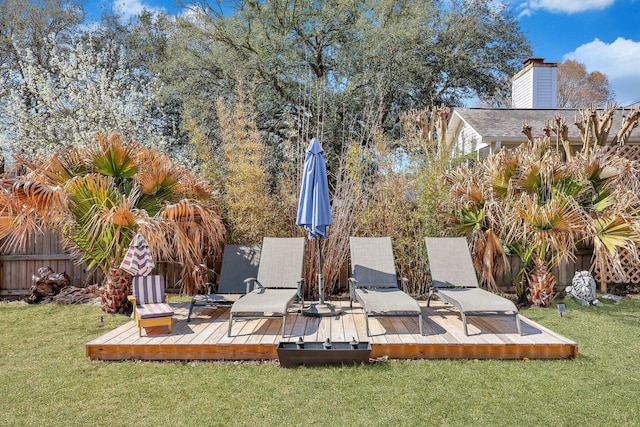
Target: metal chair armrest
[252,283]
[353,284]
[301,290]
[405,284]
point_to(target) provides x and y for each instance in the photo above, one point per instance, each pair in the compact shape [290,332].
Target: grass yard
[45,379]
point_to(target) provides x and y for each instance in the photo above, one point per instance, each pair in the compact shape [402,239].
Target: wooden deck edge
[392,351]
[475,351]
[181,352]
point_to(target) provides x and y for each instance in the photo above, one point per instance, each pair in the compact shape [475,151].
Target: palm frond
[113,158]
[190,231]
[16,222]
[614,233]
[42,198]
[556,225]
[101,220]
[489,257]
[500,170]
[469,218]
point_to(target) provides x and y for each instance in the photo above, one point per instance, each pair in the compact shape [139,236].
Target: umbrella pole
[320,276]
[321,309]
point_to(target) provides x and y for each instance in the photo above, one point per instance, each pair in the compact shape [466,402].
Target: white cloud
[618,60]
[562,6]
[131,8]
[193,13]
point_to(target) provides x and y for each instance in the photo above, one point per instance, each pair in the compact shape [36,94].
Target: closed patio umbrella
[137,260]
[314,214]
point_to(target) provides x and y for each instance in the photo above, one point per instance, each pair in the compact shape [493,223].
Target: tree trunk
[46,283]
[115,292]
[540,284]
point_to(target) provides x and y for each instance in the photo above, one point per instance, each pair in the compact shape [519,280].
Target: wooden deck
[205,337]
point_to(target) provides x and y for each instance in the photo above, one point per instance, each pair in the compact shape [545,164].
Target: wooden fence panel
[171,273]
[563,273]
[44,250]
[17,268]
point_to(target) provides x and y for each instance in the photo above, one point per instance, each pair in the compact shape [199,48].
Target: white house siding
[535,86]
[521,93]
[545,83]
[468,140]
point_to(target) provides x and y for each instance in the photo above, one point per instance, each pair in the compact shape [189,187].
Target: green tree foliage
[335,66]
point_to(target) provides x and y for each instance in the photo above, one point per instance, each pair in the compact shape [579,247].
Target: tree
[334,67]
[36,27]
[578,89]
[98,197]
[86,89]
[539,204]
[73,82]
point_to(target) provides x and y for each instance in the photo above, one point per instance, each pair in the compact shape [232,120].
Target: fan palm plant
[533,203]
[99,197]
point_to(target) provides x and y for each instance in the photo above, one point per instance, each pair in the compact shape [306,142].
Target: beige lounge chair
[278,283]
[374,283]
[455,282]
[238,263]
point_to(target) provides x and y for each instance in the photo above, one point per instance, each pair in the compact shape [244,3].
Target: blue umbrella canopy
[314,210]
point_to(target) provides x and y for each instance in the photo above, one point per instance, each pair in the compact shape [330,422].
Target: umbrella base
[322,310]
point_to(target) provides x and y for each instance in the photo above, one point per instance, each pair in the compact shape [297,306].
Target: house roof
[504,124]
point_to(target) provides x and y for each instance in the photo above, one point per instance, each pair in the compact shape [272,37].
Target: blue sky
[602,34]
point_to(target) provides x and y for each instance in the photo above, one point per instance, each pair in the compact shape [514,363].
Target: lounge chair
[149,305]
[278,283]
[374,283]
[238,263]
[455,282]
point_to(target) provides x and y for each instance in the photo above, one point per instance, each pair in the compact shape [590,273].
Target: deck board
[205,337]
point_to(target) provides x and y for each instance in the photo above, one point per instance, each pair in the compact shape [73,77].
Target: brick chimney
[536,85]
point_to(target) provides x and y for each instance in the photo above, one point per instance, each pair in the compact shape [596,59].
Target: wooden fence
[17,268]
[563,273]
[46,250]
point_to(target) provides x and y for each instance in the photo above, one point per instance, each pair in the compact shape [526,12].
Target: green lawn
[46,379]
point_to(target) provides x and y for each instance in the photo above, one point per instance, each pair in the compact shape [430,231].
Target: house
[534,93]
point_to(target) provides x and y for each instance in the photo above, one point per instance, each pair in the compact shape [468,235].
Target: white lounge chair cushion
[386,300]
[475,300]
[265,300]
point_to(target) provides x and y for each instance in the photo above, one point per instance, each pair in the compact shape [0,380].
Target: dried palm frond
[17,223]
[489,257]
[42,198]
[190,231]
[499,171]
[629,122]
[556,225]
[613,235]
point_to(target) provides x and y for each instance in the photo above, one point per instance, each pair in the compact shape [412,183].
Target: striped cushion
[148,289]
[148,311]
